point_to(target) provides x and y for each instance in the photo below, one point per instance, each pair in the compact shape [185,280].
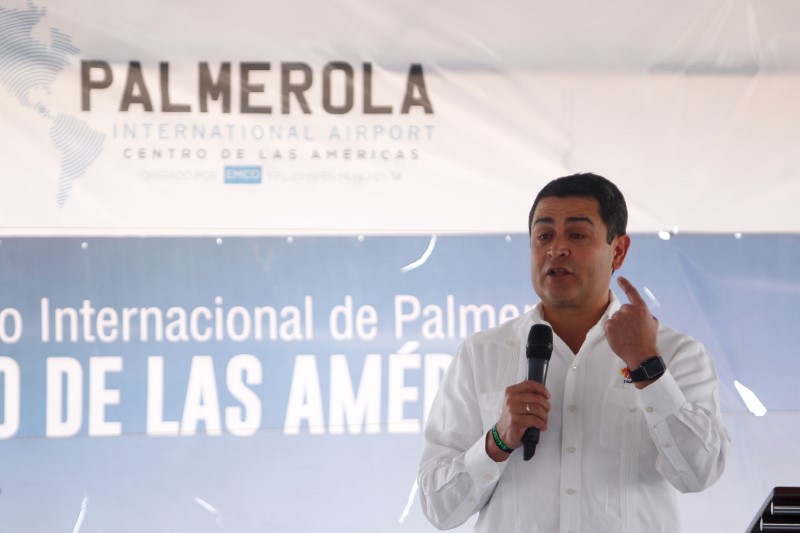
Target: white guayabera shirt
[612,455]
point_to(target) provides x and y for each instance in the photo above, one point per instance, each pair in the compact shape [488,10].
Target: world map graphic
[28,69]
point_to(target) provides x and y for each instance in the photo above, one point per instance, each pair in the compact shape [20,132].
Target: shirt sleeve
[456,475]
[684,419]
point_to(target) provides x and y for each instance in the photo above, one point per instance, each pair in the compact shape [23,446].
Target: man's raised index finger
[630,291]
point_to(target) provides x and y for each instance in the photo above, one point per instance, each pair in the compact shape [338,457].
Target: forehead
[553,209]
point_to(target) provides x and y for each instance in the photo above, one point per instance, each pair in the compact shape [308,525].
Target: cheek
[536,268]
[606,263]
[537,260]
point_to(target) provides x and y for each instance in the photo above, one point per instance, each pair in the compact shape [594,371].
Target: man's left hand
[631,331]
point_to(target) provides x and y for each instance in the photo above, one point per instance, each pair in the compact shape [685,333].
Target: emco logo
[242,174]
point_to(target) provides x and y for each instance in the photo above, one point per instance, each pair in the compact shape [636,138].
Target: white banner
[299,118]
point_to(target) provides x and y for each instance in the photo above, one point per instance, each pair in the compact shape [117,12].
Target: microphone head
[540,342]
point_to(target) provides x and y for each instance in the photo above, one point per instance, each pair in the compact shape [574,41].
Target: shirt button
[570,450]
[487,477]
[574,367]
[649,409]
[666,445]
[572,407]
[631,409]
[570,491]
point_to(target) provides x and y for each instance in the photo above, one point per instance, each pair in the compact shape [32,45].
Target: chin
[558,299]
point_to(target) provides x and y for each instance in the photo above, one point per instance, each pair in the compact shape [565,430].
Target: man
[617,436]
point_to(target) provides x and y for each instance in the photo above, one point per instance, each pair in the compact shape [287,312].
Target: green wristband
[499,441]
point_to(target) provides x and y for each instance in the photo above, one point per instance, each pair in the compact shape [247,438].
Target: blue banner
[262,384]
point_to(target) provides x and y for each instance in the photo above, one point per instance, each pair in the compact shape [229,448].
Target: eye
[543,236]
[577,236]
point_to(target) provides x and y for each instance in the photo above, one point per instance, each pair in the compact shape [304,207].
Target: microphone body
[538,351]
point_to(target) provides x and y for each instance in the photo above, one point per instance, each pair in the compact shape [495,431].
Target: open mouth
[557,271]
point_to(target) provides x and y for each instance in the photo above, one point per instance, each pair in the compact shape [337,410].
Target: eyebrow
[550,220]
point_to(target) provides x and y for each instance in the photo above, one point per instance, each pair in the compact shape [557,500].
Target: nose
[558,247]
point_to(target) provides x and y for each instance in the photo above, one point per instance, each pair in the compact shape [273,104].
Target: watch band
[650,369]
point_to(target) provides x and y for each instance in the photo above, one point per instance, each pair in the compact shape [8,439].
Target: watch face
[650,369]
[653,367]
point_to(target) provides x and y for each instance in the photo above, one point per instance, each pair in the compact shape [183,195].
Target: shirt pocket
[619,418]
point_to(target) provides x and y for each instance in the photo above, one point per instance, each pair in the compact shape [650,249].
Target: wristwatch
[649,370]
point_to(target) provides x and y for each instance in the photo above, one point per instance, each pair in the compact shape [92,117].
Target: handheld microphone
[538,351]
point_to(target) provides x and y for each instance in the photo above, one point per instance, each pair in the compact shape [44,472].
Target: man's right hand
[526,405]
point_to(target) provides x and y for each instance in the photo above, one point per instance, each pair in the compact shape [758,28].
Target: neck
[572,324]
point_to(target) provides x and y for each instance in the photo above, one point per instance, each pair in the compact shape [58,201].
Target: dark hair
[613,210]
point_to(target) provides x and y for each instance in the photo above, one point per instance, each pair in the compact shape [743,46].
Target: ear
[620,245]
